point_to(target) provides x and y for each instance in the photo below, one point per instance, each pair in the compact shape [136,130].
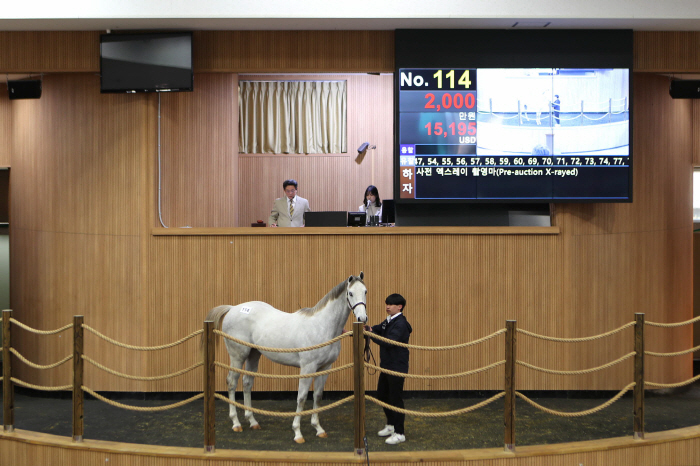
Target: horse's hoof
[256,427]
[322,435]
[299,440]
[237,429]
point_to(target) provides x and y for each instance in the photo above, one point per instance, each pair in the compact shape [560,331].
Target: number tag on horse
[245,310]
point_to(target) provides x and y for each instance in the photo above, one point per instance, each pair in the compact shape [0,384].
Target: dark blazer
[394,358]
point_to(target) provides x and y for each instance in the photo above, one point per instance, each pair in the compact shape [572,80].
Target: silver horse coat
[259,323]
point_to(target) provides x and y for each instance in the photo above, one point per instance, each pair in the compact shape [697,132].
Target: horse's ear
[350,279]
[362,275]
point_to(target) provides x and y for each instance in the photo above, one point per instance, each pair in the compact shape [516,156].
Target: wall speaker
[24,89]
[685,89]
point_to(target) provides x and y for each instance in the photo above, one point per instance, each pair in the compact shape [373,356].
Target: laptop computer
[326,219]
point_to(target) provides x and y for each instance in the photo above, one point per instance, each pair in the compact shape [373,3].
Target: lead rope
[369,356]
[368,351]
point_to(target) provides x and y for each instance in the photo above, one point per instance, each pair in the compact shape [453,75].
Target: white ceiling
[91,15]
[272,24]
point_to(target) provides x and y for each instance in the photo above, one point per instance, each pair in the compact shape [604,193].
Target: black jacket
[394,358]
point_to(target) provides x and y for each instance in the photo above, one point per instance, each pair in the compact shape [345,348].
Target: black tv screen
[513,116]
[153,62]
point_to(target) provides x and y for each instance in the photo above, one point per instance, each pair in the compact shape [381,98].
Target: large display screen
[511,117]
[151,62]
[514,134]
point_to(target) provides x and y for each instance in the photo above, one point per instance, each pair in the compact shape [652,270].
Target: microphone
[370,219]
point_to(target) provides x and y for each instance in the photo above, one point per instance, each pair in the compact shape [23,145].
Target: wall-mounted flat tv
[487,116]
[150,62]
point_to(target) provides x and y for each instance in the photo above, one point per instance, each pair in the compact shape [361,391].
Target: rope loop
[667,355]
[284,414]
[676,324]
[142,348]
[456,412]
[140,408]
[594,119]
[572,340]
[579,413]
[579,372]
[672,385]
[39,366]
[282,350]
[433,377]
[434,348]
[40,387]
[40,332]
[135,377]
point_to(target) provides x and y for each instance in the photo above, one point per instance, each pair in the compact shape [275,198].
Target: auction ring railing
[359,366]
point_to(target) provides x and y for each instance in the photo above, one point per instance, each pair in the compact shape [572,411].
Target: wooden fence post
[638,396]
[8,390]
[509,411]
[209,388]
[358,346]
[78,363]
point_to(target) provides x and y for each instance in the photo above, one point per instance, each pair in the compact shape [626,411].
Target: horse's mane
[335,293]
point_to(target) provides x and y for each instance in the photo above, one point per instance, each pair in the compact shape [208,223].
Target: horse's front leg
[252,366]
[304,385]
[319,383]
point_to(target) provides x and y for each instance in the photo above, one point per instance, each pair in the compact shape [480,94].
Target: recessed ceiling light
[531,24]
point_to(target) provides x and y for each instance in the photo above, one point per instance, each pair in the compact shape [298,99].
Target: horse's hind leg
[252,366]
[319,383]
[232,380]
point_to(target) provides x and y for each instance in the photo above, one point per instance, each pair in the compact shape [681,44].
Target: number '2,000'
[448,101]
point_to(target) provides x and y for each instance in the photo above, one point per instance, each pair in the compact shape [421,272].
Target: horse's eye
[351,294]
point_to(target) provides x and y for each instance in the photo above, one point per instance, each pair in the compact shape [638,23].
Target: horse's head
[356,294]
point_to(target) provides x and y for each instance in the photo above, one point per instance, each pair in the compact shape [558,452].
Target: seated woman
[372,204]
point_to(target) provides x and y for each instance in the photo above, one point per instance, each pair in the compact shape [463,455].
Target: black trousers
[390,391]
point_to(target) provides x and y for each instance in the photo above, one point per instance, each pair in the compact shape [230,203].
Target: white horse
[263,325]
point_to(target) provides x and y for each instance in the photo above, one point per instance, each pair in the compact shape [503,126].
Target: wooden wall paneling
[628,283]
[214,51]
[674,51]
[5,129]
[199,154]
[60,275]
[86,165]
[78,204]
[330,181]
[627,257]
[49,51]
[458,289]
[294,51]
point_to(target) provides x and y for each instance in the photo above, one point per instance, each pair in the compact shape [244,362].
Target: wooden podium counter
[247,231]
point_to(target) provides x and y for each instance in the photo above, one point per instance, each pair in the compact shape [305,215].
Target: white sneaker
[396,439]
[386,431]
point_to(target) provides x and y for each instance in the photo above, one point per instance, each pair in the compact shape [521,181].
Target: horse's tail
[216,315]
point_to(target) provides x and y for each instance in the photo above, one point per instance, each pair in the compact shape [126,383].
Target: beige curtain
[292,117]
